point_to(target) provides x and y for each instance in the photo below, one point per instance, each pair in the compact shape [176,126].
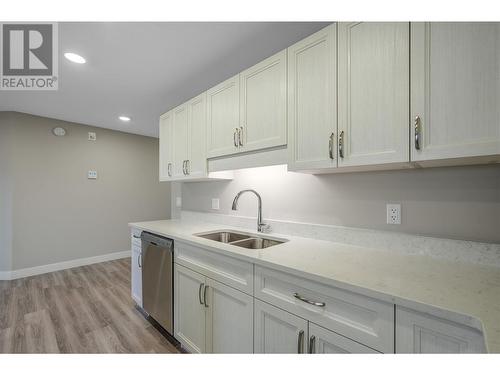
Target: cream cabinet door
[278,331]
[197,116]
[229,319]
[324,341]
[189,310]
[421,333]
[455,90]
[166,147]
[223,111]
[312,101]
[263,104]
[373,97]
[180,136]
[136,274]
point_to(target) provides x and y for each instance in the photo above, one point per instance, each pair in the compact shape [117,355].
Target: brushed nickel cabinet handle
[188,166]
[341,144]
[199,294]
[205,296]
[300,342]
[312,343]
[303,299]
[139,260]
[235,134]
[184,167]
[417,132]
[240,136]
[330,146]
[169,169]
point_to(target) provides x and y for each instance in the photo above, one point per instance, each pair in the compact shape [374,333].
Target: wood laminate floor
[80,310]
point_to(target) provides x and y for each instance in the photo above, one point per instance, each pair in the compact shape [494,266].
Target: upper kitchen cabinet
[196,165]
[312,101]
[183,143]
[223,116]
[180,143]
[263,104]
[166,149]
[373,93]
[455,90]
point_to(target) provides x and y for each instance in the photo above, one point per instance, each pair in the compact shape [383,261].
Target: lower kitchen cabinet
[136,270]
[229,319]
[278,331]
[421,333]
[189,309]
[210,317]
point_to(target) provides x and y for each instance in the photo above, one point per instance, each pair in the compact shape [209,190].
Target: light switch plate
[393,213]
[92,136]
[92,175]
[215,203]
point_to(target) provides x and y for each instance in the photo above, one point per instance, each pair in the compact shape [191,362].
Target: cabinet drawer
[363,319]
[227,270]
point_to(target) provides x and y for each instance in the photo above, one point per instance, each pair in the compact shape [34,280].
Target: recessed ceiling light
[73,57]
[124,118]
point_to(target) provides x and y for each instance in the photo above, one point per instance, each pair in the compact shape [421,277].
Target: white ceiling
[144,69]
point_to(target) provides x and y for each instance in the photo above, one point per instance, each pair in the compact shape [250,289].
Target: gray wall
[57,213]
[458,202]
[5,198]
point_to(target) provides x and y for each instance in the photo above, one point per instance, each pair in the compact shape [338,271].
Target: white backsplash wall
[458,202]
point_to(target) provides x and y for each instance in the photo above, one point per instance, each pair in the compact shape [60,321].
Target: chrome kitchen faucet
[261,227]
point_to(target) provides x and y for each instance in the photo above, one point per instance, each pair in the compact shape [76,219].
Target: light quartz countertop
[465,293]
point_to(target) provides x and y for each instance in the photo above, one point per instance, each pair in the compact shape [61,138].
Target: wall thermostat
[59,132]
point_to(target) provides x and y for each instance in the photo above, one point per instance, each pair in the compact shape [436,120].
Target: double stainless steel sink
[246,240]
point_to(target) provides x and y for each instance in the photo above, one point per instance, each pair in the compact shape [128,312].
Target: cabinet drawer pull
[417,132]
[235,134]
[240,136]
[199,294]
[139,260]
[341,144]
[330,146]
[205,296]
[299,297]
[300,342]
[312,343]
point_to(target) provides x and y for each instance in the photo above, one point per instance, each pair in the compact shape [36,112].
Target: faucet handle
[264,228]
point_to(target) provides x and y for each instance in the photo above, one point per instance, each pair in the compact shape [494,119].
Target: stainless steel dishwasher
[157,279]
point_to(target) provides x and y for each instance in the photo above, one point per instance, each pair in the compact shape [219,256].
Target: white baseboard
[38,270]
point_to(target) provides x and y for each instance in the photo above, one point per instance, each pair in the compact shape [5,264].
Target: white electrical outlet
[393,214]
[92,175]
[215,203]
[178,201]
[92,136]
